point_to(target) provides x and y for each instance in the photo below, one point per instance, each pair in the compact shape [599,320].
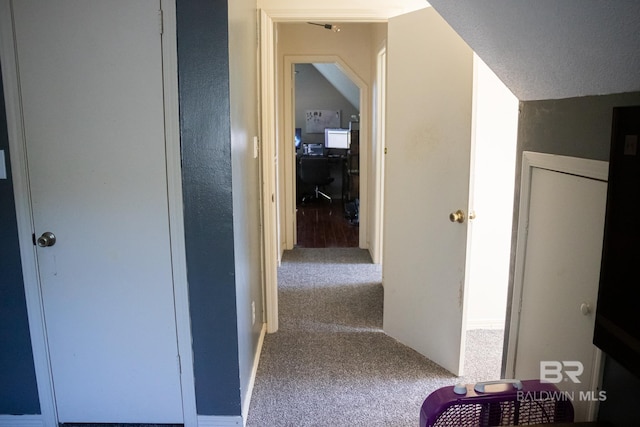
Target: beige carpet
[330,364]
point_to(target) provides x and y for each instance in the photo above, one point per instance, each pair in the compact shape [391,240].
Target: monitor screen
[298,137]
[337,138]
[313,149]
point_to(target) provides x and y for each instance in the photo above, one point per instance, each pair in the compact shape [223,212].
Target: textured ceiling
[550,49]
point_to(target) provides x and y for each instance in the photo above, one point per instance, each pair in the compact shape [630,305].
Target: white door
[560,272]
[427,169]
[91,86]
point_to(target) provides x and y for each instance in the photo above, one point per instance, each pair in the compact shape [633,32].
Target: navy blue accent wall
[203,78]
[18,389]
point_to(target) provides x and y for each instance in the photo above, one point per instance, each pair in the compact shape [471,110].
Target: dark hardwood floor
[321,224]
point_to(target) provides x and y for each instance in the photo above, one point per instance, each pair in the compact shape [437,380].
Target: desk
[345,169]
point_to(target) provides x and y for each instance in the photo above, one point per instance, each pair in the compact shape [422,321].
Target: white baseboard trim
[485,324]
[233,421]
[254,371]
[219,421]
[21,421]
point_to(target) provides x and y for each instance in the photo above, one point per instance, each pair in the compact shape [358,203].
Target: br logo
[553,371]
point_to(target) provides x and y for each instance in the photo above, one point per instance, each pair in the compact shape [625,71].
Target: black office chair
[314,170]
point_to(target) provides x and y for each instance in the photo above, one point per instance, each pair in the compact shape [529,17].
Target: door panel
[91,85]
[561,272]
[427,168]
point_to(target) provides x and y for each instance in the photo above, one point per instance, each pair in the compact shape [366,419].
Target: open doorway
[495,120]
[409,148]
[326,120]
[326,102]
[350,50]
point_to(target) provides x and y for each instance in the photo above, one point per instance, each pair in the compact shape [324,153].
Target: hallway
[330,363]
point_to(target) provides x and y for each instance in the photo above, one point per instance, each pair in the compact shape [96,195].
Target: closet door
[92,94]
[557,275]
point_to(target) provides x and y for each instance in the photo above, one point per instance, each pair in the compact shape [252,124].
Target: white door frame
[268,180]
[269,131]
[288,157]
[48,416]
[594,169]
[379,119]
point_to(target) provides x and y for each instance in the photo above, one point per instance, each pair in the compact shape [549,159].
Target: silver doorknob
[47,239]
[585,308]
[457,216]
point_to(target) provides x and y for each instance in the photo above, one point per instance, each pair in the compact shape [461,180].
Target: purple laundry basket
[496,403]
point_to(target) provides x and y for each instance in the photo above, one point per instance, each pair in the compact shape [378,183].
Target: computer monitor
[298,137]
[337,138]
[313,149]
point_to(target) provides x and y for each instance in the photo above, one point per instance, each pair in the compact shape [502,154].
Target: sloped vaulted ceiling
[341,82]
[551,49]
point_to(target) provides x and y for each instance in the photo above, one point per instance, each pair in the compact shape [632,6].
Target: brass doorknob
[457,216]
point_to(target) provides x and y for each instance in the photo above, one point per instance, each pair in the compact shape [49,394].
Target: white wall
[243,92]
[376,166]
[351,44]
[495,129]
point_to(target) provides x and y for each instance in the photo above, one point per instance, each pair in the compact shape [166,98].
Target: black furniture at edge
[314,170]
